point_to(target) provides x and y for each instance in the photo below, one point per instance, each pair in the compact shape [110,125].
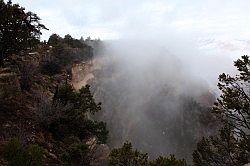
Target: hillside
[132,102]
[29,83]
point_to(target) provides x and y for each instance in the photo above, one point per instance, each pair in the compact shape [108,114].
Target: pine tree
[232,146]
[19,30]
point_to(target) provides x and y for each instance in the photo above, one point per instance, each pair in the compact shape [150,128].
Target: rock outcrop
[81,73]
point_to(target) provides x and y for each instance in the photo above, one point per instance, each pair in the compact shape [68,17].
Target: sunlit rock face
[81,73]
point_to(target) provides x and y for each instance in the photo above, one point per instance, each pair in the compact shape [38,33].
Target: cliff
[27,88]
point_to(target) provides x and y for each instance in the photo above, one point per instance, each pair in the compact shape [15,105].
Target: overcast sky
[220,24]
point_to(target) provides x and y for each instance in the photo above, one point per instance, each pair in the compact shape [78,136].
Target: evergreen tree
[75,120]
[18,29]
[232,146]
[127,156]
[54,40]
[233,106]
[168,161]
[223,149]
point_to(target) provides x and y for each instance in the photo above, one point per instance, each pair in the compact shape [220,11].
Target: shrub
[168,161]
[16,154]
[48,113]
[67,114]
[99,130]
[27,72]
[125,156]
[75,121]
[35,153]
[50,68]
[76,154]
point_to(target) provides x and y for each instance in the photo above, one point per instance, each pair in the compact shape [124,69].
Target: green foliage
[74,43]
[223,149]
[50,68]
[126,156]
[54,40]
[36,154]
[233,106]
[168,161]
[18,29]
[232,145]
[77,104]
[16,154]
[98,129]
[86,101]
[65,94]
[68,50]
[82,101]
[76,154]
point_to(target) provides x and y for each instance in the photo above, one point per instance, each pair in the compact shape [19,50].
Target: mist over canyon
[153,97]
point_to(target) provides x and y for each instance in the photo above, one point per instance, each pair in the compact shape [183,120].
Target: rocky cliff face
[81,73]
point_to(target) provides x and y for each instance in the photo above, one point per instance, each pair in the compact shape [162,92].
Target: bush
[168,161]
[16,154]
[222,149]
[50,68]
[76,154]
[67,114]
[36,154]
[99,130]
[48,113]
[27,72]
[125,156]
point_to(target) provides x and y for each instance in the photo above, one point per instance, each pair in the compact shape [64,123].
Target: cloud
[194,20]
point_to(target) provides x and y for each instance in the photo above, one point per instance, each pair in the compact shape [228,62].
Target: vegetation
[76,152]
[55,40]
[16,154]
[64,53]
[50,68]
[68,110]
[224,149]
[127,156]
[64,120]
[232,145]
[18,29]
[233,106]
[27,73]
[57,120]
[168,161]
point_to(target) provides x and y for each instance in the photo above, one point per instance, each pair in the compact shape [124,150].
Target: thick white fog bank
[157,93]
[173,57]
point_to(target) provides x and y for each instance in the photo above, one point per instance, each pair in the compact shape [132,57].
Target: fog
[157,80]
[157,93]
[157,74]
